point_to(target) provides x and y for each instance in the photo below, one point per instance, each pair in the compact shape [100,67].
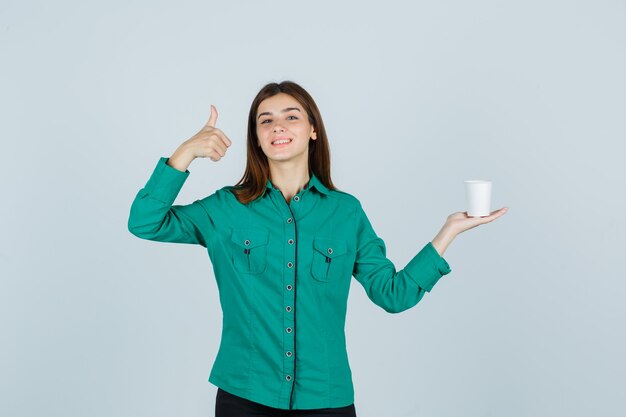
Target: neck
[289,179]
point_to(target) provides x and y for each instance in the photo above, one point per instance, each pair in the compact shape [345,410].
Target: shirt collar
[313,182]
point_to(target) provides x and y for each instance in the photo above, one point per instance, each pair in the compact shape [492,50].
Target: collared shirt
[283,272]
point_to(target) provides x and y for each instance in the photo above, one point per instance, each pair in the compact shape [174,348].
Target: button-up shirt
[283,272]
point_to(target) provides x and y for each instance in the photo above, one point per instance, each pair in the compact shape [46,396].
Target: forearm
[443,239]
[154,217]
[181,159]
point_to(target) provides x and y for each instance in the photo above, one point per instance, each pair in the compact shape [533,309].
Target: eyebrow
[283,111]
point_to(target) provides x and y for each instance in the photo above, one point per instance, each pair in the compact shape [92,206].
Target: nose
[278,128]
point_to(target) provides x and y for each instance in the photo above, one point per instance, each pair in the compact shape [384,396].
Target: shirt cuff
[427,267]
[165,182]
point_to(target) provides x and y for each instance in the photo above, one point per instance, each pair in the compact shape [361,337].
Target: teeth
[281,141]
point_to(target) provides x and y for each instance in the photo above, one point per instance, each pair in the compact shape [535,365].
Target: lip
[279,138]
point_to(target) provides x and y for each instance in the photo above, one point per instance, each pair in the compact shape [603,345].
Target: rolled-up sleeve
[154,217]
[394,291]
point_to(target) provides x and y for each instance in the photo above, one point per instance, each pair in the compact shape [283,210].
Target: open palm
[460,221]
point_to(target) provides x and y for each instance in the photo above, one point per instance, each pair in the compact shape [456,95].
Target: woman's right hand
[209,142]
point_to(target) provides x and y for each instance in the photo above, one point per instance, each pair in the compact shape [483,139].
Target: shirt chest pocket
[329,257]
[250,250]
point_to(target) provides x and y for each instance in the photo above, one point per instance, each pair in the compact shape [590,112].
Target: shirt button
[288,329]
[288,377]
[290,241]
[330,250]
[289,264]
[288,354]
[296,198]
[289,220]
[288,308]
[289,287]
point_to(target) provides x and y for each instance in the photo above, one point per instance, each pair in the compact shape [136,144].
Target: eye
[266,120]
[293,117]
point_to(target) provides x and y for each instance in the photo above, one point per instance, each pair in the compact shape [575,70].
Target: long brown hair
[256,174]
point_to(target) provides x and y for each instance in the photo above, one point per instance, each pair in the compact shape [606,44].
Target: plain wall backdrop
[416,97]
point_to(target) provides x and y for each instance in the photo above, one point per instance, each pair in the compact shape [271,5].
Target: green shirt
[283,272]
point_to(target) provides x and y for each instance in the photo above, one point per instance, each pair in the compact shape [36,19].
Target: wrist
[443,239]
[180,159]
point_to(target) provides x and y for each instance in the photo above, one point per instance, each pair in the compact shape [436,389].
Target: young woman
[284,243]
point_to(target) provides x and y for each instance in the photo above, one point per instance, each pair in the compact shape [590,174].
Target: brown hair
[256,174]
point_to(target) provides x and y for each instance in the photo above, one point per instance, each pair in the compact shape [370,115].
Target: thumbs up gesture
[209,142]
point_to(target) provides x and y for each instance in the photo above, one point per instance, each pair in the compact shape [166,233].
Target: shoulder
[222,196]
[345,199]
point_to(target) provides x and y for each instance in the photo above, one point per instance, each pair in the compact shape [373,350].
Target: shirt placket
[290,287]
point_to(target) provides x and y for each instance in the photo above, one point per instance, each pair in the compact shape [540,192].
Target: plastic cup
[478,193]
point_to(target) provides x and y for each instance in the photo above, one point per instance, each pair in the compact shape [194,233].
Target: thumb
[213,117]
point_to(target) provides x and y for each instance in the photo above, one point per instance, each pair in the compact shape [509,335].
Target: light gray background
[417,97]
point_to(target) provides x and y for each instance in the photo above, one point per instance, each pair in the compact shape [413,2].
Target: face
[281,116]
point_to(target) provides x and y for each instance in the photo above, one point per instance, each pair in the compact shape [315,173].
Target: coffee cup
[478,194]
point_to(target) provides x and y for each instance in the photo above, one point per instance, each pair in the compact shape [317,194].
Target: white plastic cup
[478,193]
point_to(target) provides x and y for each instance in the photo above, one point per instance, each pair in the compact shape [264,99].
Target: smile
[281,142]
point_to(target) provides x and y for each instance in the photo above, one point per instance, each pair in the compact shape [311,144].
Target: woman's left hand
[459,222]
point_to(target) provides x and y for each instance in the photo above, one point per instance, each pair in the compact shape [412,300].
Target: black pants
[230,405]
